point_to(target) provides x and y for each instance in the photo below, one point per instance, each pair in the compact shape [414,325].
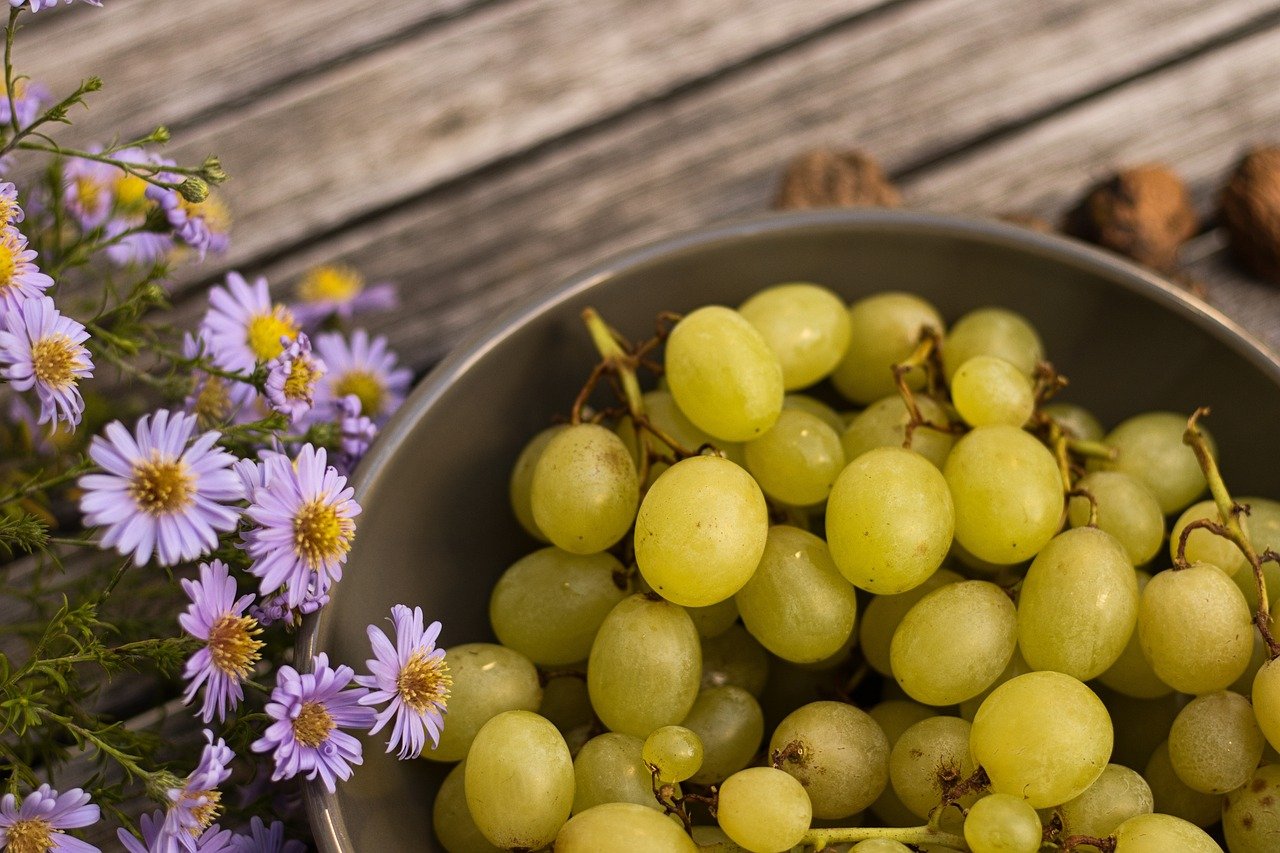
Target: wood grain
[464,251]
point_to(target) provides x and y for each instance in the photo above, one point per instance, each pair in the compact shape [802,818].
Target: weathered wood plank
[715,152]
[168,63]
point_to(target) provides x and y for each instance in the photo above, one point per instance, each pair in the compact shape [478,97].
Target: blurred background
[472,150]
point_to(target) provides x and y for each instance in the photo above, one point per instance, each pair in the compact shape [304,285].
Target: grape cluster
[950,618]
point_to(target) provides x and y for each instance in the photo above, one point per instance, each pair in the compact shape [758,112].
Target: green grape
[1076,421]
[789,686]
[565,701]
[885,329]
[1131,674]
[452,820]
[1215,743]
[954,642]
[797,461]
[1001,823]
[1244,684]
[797,604]
[806,326]
[1078,604]
[661,411]
[730,724]
[1118,794]
[987,390]
[1149,447]
[932,752]
[814,406]
[714,619]
[723,375]
[1248,584]
[880,845]
[519,780]
[585,489]
[1194,627]
[1204,546]
[885,612]
[610,768]
[1251,813]
[549,605]
[487,680]
[674,751]
[1017,666]
[837,752]
[1140,725]
[735,658]
[889,520]
[701,531]
[645,666]
[1266,701]
[836,659]
[884,424]
[1007,493]
[1042,736]
[1126,509]
[763,810]
[1162,833]
[890,811]
[622,828]
[1173,797]
[895,716]
[521,484]
[711,839]
[992,331]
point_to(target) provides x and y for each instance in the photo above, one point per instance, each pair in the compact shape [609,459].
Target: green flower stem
[81,467]
[56,113]
[9,32]
[128,762]
[820,838]
[147,171]
[1229,511]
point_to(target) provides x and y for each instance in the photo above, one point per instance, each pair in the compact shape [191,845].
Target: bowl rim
[323,811]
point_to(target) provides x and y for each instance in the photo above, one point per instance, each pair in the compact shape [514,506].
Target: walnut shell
[826,178]
[1250,208]
[1144,212]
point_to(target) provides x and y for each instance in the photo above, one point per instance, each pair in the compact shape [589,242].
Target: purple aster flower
[195,806]
[292,377]
[413,677]
[201,225]
[264,839]
[10,210]
[365,368]
[88,192]
[44,350]
[20,278]
[41,822]
[310,710]
[231,647]
[276,608]
[303,525]
[337,289]
[18,412]
[214,840]
[160,492]
[139,249]
[357,433]
[28,98]
[243,327]
[213,399]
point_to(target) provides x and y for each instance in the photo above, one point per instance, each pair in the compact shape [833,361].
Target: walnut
[826,178]
[1250,206]
[1143,212]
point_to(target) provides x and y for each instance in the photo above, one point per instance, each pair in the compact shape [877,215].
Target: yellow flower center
[54,360]
[89,191]
[7,209]
[205,813]
[312,725]
[214,213]
[424,681]
[367,387]
[19,89]
[32,835]
[233,644]
[265,331]
[212,404]
[161,485]
[8,263]
[131,193]
[330,283]
[320,534]
[302,376]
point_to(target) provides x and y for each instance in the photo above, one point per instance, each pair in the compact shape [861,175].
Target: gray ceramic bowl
[437,531]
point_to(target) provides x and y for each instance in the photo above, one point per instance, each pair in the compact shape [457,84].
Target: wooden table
[475,150]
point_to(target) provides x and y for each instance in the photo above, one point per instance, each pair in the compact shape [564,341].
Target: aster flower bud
[194,190]
[212,170]
[160,134]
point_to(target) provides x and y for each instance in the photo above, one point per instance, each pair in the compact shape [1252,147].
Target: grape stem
[924,355]
[1104,845]
[1048,382]
[1078,492]
[1229,513]
[820,838]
